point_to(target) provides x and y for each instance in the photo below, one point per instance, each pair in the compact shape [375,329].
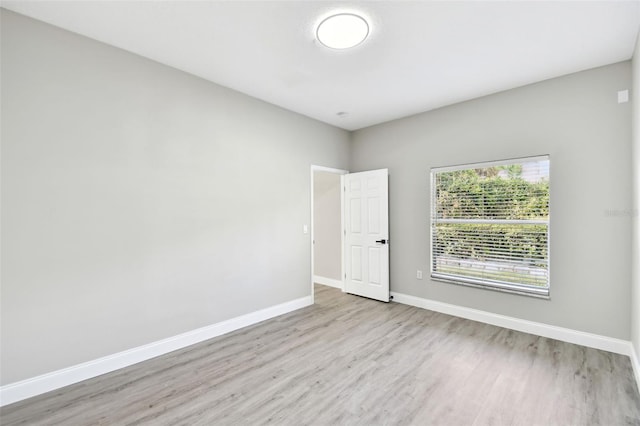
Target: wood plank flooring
[353,361]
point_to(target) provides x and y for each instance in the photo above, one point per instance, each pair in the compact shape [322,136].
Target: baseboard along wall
[595,341]
[24,389]
[327,281]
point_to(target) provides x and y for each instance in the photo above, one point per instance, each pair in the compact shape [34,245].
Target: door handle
[381,241]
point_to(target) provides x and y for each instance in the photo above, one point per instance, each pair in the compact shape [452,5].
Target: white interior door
[366,212]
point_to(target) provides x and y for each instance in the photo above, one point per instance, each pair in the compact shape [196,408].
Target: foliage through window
[490,225]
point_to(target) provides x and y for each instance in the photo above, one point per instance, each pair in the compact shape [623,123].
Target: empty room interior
[320,212]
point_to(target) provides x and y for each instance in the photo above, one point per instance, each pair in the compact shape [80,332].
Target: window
[490,225]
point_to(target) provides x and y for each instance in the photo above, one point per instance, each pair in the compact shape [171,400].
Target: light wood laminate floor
[353,361]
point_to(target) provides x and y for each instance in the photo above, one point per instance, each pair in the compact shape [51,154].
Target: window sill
[536,293]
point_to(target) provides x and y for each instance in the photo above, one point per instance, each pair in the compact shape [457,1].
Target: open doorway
[326,227]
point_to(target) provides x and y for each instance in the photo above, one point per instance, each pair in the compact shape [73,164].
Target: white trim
[635,363]
[327,281]
[596,341]
[329,170]
[343,232]
[18,391]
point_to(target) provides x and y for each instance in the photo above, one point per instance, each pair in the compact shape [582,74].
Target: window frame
[522,289]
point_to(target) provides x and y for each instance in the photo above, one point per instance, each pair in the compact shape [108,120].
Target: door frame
[340,172]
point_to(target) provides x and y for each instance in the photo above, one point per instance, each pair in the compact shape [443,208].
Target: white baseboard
[18,391]
[596,341]
[635,363]
[327,281]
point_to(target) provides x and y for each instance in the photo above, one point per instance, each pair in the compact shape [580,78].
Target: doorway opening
[327,266]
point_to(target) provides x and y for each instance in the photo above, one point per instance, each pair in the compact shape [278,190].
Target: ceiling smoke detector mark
[342,31]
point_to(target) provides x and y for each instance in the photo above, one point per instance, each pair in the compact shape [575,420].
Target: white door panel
[367,234]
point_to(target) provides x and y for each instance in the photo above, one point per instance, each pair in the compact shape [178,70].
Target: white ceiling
[420,55]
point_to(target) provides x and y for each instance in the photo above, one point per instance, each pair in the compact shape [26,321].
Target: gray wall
[139,202]
[577,120]
[635,250]
[327,225]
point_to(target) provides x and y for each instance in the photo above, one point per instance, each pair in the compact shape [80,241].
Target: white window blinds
[490,225]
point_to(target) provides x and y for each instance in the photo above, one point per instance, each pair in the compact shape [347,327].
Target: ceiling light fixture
[342,31]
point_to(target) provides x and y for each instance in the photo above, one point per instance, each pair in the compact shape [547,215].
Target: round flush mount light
[342,31]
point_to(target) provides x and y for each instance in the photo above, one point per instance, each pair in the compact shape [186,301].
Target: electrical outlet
[419,274]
